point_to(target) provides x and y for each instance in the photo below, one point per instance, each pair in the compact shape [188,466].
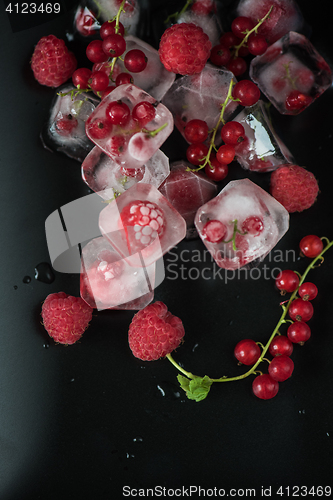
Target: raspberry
[154,332]
[65,317]
[184,49]
[52,63]
[294,187]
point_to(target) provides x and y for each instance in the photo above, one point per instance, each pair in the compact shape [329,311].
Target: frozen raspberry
[294,187]
[143,221]
[154,332]
[52,63]
[184,49]
[65,317]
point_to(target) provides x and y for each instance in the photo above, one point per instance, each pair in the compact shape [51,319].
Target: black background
[86,420]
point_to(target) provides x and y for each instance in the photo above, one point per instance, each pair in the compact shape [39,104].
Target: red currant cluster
[103,53]
[234,45]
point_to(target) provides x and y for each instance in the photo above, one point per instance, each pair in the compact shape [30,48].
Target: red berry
[99,81]
[308,291]
[65,317]
[297,101]
[52,63]
[247,352]
[232,133]
[300,310]
[287,281]
[281,345]
[109,28]
[294,187]
[220,55]
[116,145]
[95,52]
[107,91]
[66,125]
[143,113]
[281,368]
[123,79]
[253,225]
[214,231]
[237,66]
[86,22]
[257,44]
[184,48]
[247,92]
[114,45]
[225,154]
[241,25]
[229,39]
[216,171]
[196,153]
[196,131]
[264,387]
[98,129]
[135,61]
[80,78]
[118,113]
[299,332]
[311,246]
[154,332]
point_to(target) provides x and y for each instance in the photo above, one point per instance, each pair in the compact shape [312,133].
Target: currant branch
[197,388]
[249,32]
[175,15]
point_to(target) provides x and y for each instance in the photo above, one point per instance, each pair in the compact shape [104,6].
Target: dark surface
[86,420]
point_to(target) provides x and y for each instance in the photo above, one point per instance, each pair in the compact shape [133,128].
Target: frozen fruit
[154,332]
[52,63]
[294,187]
[65,317]
[184,49]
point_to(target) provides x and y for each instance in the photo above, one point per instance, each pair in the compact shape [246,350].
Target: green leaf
[197,388]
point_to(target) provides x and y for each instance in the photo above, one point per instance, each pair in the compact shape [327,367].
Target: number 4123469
[33,8]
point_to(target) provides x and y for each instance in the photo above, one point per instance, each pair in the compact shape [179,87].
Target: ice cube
[130,144]
[109,179]
[154,79]
[209,23]
[187,191]
[284,17]
[105,10]
[64,130]
[261,150]
[109,282]
[200,97]
[291,73]
[241,225]
[142,221]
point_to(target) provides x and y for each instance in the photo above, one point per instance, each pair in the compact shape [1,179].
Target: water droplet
[46,346]
[194,347]
[169,390]
[327,433]
[26,279]
[231,322]
[44,273]
[161,390]
[301,411]
[15,287]
[138,439]
[128,455]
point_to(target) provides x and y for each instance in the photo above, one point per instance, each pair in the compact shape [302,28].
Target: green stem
[254,30]
[152,133]
[275,331]
[178,14]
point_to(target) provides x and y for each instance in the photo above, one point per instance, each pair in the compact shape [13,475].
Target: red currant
[300,310]
[287,281]
[253,225]
[118,113]
[257,44]
[299,332]
[216,171]
[237,66]
[116,145]
[196,131]
[281,345]
[196,153]
[135,61]
[123,79]
[311,246]
[80,78]
[264,387]
[99,81]
[308,291]
[229,39]
[247,92]
[98,129]
[143,113]
[214,231]
[66,125]
[232,133]
[107,91]
[241,25]
[247,352]
[297,101]
[220,55]
[281,368]
[225,154]
[114,45]
[109,28]
[95,52]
